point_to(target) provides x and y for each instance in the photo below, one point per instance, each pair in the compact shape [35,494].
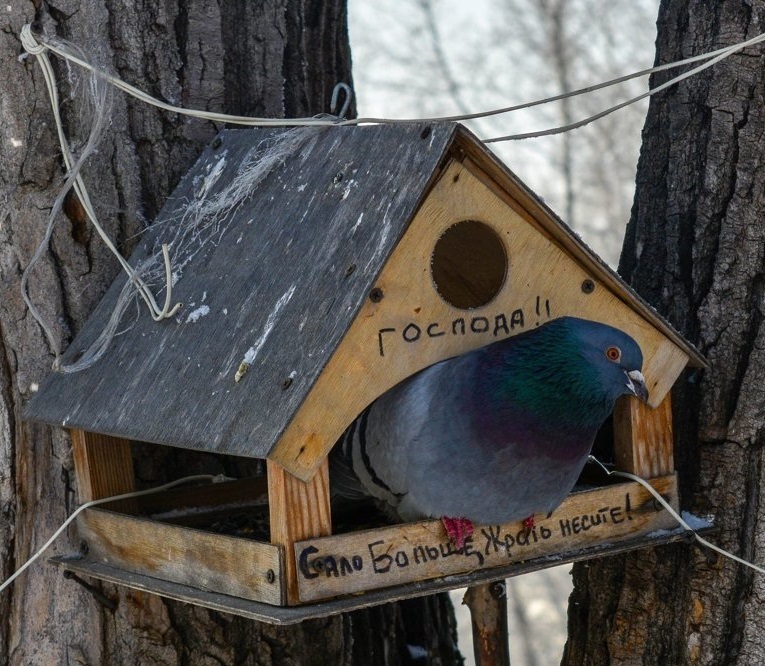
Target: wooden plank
[205,561]
[298,510]
[103,466]
[412,327]
[286,615]
[351,563]
[643,439]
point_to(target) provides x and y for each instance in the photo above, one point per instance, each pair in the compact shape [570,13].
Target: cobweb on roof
[199,223]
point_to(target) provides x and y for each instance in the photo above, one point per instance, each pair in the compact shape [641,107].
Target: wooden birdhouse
[318,267]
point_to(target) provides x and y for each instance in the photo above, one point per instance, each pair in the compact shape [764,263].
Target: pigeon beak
[636,384]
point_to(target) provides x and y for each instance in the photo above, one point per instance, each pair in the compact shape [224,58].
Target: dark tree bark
[272,58]
[695,249]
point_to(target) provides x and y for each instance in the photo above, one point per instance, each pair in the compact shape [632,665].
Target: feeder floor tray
[284,615]
[180,544]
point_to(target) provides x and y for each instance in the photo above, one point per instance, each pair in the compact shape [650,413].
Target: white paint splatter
[301,188]
[225,311]
[349,184]
[252,352]
[197,314]
[358,223]
[34,387]
[16,143]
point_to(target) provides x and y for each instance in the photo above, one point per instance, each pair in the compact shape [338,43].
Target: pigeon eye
[614,354]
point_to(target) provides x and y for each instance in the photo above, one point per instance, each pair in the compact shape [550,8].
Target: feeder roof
[277,285]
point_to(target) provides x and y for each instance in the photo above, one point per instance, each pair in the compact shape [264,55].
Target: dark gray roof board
[278,281]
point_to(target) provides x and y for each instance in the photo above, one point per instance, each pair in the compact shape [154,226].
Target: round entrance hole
[469,264]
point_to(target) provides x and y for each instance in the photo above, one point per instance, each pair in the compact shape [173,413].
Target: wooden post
[643,441]
[298,510]
[488,612]
[103,465]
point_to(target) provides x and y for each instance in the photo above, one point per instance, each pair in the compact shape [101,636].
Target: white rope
[715,57]
[139,493]
[39,45]
[657,496]
[74,180]
[721,55]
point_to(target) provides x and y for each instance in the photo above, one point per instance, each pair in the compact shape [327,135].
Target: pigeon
[494,435]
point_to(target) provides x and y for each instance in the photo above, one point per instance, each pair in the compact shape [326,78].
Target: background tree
[695,249]
[273,58]
[437,57]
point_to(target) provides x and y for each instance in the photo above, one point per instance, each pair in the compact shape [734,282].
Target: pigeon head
[569,370]
[614,358]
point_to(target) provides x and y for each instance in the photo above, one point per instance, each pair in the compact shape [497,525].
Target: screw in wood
[376,295]
[216,143]
[349,271]
[588,286]
[270,576]
[498,590]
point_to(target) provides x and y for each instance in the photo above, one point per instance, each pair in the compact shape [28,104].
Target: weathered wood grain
[643,438]
[212,562]
[368,560]
[488,616]
[298,510]
[286,615]
[103,466]
[285,280]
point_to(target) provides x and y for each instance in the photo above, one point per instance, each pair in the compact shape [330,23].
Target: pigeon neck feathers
[557,375]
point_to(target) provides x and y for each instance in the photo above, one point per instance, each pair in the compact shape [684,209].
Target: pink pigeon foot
[528,525]
[457,529]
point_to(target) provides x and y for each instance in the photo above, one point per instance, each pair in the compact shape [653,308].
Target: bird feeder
[357,257]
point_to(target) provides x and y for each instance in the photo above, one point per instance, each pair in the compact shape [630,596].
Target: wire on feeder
[39,45]
[668,507]
[213,478]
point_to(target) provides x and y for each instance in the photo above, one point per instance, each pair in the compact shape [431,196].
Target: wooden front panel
[351,563]
[203,560]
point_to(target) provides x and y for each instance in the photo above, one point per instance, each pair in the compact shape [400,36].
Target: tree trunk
[695,249]
[272,58]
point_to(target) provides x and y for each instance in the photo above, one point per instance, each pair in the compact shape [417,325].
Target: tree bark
[272,58]
[695,249]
